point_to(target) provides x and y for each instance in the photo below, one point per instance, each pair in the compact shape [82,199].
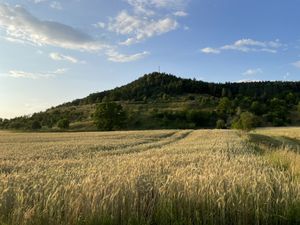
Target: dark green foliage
[36,125]
[184,119]
[247,121]
[179,103]
[221,124]
[63,124]
[258,108]
[155,85]
[109,116]
[225,107]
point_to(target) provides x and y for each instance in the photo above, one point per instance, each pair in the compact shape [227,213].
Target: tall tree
[109,116]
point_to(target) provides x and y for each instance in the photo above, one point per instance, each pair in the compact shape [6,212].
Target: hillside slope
[159,100]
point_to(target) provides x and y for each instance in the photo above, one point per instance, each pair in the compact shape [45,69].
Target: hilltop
[160,100]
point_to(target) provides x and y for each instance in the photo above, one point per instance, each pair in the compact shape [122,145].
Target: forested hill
[155,85]
[159,100]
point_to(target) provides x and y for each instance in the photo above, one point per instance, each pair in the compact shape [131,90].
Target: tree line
[198,105]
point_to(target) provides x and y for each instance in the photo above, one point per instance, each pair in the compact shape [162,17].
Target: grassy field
[150,177]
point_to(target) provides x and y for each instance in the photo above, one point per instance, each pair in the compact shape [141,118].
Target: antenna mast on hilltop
[159,69]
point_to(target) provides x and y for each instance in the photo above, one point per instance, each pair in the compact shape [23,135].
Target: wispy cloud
[149,7]
[209,50]
[296,64]
[56,5]
[38,1]
[115,56]
[251,72]
[180,13]
[22,27]
[60,57]
[19,24]
[52,4]
[100,25]
[34,76]
[247,45]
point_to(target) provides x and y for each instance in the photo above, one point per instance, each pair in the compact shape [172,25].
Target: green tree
[63,124]
[36,125]
[224,106]
[109,116]
[257,108]
[290,98]
[247,121]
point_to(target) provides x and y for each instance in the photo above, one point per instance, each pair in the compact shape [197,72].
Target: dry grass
[149,177]
[286,154]
[291,132]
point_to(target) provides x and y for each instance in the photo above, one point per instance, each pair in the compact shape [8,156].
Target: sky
[53,52]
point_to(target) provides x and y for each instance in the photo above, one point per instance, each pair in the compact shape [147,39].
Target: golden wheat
[142,177]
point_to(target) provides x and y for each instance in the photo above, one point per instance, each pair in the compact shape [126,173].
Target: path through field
[143,177]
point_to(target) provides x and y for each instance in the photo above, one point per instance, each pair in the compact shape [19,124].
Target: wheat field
[145,177]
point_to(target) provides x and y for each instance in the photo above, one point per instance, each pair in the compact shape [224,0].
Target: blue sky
[56,51]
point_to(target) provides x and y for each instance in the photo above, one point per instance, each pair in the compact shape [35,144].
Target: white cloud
[148,7]
[56,5]
[180,13]
[115,56]
[60,57]
[251,72]
[138,28]
[100,25]
[209,50]
[146,19]
[22,27]
[297,64]
[250,45]
[38,1]
[30,75]
[14,40]
[19,24]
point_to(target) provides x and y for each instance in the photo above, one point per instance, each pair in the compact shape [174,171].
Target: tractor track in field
[142,147]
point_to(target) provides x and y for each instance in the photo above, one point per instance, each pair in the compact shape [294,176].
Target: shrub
[63,124]
[247,121]
[220,124]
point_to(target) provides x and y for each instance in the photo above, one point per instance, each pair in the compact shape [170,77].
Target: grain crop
[142,177]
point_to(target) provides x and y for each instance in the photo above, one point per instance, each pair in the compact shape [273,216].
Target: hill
[159,100]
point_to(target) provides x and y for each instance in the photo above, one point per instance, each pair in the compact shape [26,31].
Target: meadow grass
[144,177]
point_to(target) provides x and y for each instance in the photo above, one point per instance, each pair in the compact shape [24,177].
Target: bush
[220,124]
[247,121]
[63,124]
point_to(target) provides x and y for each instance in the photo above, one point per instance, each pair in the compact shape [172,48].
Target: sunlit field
[149,177]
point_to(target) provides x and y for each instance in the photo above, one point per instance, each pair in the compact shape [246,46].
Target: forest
[164,101]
